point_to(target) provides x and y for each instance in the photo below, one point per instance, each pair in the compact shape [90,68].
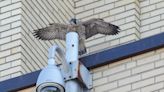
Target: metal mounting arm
[51,57]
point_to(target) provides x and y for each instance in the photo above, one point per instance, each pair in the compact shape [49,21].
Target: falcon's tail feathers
[82,48]
[81,52]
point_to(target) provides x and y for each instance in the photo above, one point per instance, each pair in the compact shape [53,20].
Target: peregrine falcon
[84,29]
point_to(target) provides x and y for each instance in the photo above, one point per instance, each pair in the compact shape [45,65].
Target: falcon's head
[74,21]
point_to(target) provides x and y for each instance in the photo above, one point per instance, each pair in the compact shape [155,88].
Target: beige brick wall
[137,19]
[124,13]
[141,73]
[152,22]
[10,34]
[38,14]
[32,89]
[21,53]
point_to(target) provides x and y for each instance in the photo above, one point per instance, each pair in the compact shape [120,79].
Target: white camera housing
[50,79]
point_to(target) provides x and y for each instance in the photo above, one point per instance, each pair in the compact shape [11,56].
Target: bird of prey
[84,29]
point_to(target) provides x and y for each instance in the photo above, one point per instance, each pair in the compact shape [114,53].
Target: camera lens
[50,89]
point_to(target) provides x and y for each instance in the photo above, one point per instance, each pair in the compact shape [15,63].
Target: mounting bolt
[69,76]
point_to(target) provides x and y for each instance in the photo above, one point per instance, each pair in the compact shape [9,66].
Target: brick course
[136,76]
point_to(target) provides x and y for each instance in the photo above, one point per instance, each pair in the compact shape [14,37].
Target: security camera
[50,80]
[51,77]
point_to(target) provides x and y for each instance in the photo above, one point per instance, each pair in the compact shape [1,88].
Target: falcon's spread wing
[95,26]
[54,31]
[85,30]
